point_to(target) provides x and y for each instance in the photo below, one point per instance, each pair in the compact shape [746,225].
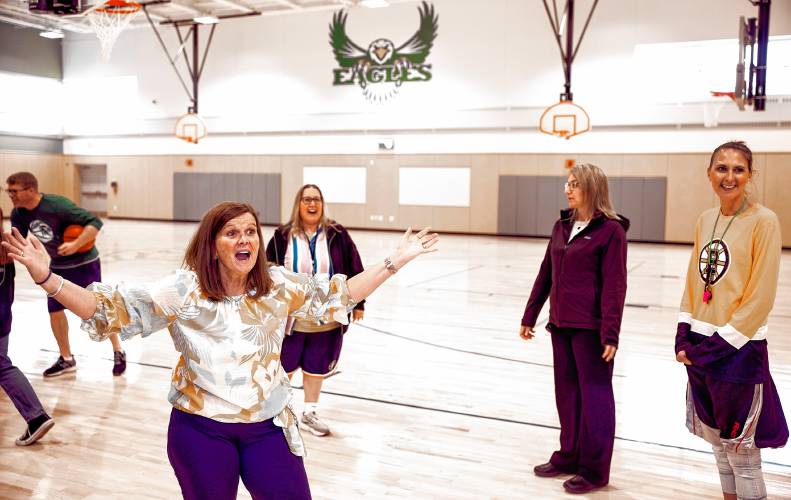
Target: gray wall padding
[194,194]
[529,205]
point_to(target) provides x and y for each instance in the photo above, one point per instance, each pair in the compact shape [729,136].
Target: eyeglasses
[13,192]
[571,186]
[307,200]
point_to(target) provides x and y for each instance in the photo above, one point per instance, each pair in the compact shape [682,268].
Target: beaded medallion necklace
[714,252]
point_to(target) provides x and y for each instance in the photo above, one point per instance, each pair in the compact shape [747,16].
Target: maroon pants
[586,405]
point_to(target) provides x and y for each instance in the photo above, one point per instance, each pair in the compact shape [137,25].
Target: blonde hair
[295,223]
[593,183]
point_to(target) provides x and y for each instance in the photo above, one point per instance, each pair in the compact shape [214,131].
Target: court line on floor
[465,351]
[519,422]
[454,412]
[446,275]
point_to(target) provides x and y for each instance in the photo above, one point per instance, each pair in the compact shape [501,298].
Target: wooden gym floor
[437,396]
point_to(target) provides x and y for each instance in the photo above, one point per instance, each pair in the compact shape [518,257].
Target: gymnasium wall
[145,185]
[53,175]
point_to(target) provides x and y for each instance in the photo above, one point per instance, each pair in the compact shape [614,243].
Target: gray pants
[17,386]
[741,473]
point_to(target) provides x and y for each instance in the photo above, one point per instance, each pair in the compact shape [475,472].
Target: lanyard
[714,252]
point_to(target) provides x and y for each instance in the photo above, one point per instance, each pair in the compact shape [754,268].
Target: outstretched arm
[412,245]
[32,254]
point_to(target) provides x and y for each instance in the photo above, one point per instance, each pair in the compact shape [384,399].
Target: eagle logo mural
[382,68]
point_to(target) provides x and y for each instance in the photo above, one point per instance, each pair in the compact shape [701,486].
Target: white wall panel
[434,187]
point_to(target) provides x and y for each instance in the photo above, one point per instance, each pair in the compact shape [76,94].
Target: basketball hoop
[711,109]
[564,119]
[109,20]
[190,128]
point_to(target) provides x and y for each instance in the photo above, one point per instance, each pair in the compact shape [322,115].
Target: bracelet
[389,266]
[39,283]
[60,287]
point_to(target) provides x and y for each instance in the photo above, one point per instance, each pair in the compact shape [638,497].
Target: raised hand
[413,245]
[28,252]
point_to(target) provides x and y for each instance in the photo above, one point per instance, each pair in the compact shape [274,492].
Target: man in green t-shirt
[47,216]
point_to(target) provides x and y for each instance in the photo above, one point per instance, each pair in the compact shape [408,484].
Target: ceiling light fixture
[206,19]
[374,4]
[51,34]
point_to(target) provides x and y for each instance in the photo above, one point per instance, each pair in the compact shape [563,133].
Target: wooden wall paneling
[349,214]
[417,217]
[554,164]
[644,165]
[518,164]
[456,219]
[381,194]
[758,189]
[483,193]
[688,194]
[612,165]
[290,182]
[777,191]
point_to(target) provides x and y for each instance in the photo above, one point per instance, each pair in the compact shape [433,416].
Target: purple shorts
[316,353]
[82,276]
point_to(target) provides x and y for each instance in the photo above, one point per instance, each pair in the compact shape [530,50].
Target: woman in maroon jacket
[314,244]
[584,276]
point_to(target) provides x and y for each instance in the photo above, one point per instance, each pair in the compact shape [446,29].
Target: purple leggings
[208,458]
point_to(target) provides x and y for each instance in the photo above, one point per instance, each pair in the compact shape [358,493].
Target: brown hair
[739,146]
[26,179]
[201,254]
[593,183]
[3,253]
[295,223]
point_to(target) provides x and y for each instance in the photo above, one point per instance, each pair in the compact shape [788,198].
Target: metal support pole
[569,55]
[195,68]
[759,101]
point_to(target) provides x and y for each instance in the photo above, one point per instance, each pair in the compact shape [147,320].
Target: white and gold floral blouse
[229,365]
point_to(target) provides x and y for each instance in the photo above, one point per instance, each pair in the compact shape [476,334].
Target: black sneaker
[60,367]
[36,429]
[119,363]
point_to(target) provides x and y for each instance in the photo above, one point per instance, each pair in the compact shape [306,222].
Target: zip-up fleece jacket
[343,252]
[585,280]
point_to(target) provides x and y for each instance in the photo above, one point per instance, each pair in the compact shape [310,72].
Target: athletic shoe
[119,362]
[60,367]
[36,429]
[314,424]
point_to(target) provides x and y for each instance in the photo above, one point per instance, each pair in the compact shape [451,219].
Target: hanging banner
[382,68]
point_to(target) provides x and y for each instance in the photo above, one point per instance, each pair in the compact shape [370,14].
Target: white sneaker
[314,424]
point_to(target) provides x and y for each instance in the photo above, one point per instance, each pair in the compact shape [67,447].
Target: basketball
[72,233]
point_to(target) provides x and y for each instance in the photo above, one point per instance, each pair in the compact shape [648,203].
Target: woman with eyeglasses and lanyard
[732,401]
[312,243]
[584,276]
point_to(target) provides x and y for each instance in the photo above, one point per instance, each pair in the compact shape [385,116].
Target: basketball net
[109,20]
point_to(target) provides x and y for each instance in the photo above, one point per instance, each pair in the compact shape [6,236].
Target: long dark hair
[201,254]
